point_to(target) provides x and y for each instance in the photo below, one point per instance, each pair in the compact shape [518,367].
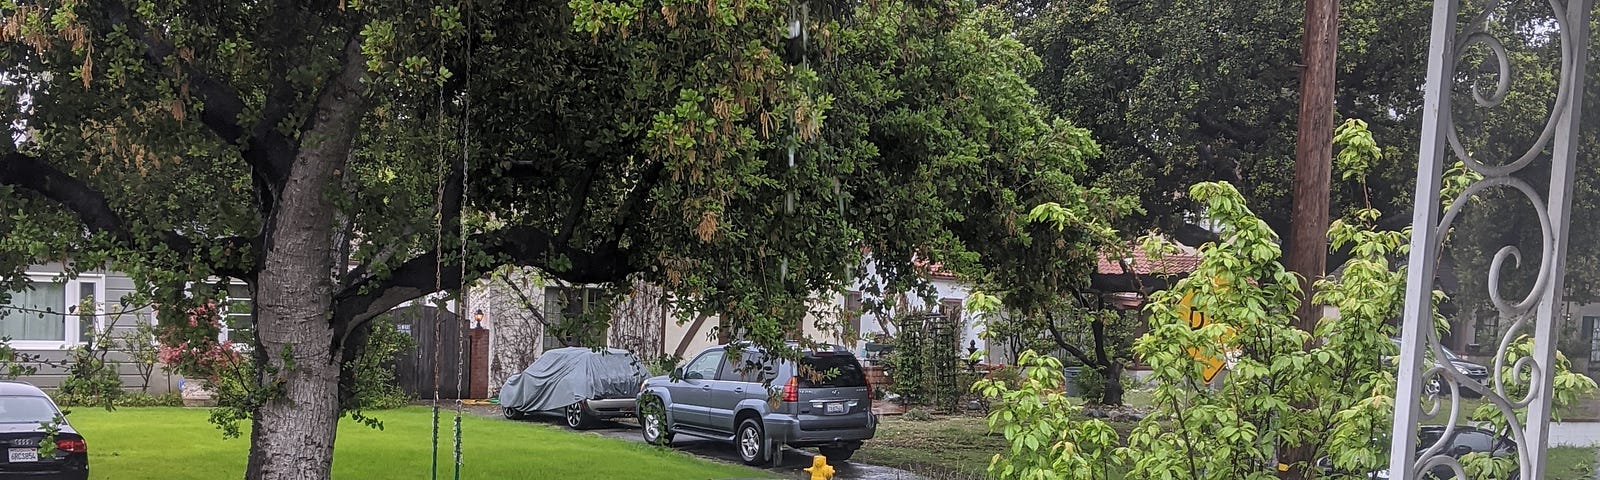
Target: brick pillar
[478,367]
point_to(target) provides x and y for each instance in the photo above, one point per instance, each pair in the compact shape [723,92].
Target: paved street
[791,468]
[793,460]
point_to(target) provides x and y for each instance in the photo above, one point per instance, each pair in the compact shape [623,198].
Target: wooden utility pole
[1313,169]
[1313,163]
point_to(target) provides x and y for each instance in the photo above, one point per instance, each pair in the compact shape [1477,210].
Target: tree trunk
[297,426]
[1110,371]
[1313,166]
[1112,395]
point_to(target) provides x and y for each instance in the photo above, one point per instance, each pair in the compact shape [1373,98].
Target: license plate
[23,455]
[834,408]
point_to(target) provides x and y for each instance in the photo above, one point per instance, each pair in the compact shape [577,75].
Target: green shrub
[925,365]
[663,365]
[918,415]
[375,386]
[141,399]
[1006,375]
[1089,384]
[90,379]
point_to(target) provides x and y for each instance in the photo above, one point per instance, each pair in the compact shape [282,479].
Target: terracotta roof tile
[934,270]
[1171,264]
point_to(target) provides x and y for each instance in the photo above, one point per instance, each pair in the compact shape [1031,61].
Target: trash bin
[1071,374]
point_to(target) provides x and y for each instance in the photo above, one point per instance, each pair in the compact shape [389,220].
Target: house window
[563,303]
[235,302]
[951,308]
[1591,327]
[238,320]
[46,314]
[795,330]
[852,313]
[1487,328]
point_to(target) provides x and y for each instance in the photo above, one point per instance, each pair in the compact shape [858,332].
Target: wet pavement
[791,466]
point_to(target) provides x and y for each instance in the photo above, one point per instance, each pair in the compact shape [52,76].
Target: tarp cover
[565,376]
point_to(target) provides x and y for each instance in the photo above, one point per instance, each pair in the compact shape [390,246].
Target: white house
[519,305]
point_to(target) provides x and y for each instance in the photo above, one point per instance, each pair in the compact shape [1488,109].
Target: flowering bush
[189,343]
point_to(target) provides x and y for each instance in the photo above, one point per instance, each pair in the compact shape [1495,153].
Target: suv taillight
[72,445]
[791,390]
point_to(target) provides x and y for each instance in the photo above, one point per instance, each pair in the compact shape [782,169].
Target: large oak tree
[340,157]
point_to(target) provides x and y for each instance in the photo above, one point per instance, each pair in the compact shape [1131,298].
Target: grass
[178,444]
[1569,463]
[946,447]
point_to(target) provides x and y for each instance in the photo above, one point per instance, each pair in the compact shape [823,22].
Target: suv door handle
[705,387]
[738,389]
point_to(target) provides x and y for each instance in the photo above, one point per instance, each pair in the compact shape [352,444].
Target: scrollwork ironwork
[1526,314]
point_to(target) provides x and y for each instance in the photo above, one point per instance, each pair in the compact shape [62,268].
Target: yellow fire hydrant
[820,469]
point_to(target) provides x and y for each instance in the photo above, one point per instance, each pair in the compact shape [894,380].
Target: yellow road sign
[1197,319]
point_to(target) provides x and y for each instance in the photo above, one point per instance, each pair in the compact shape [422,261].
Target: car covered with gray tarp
[583,385]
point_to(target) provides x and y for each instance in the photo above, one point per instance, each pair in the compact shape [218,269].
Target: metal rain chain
[797,38]
[1454,56]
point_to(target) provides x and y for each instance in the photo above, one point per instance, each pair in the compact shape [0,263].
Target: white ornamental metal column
[1534,315]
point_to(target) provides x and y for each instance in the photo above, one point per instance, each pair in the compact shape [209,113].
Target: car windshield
[832,371]
[21,409]
[1448,355]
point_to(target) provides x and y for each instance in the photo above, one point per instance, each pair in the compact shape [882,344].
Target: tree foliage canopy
[345,157]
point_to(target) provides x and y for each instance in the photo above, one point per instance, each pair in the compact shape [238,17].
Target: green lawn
[1570,463]
[955,447]
[178,444]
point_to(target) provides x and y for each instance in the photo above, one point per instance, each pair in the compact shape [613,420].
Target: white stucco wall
[945,289]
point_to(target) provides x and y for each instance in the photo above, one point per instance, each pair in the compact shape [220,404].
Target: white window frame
[223,332]
[73,334]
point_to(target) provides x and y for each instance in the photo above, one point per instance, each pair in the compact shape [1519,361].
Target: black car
[1464,440]
[24,412]
[1478,373]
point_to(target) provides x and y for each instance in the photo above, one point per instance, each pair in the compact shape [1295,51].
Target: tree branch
[268,152]
[90,206]
[527,303]
[580,199]
[1121,282]
[450,205]
[1061,341]
[627,214]
[365,299]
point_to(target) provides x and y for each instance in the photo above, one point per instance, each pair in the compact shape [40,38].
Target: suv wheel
[837,454]
[752,443]
[653,420]
[511,413]
[578,418]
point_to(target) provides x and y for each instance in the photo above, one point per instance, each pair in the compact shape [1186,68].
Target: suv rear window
[831,371]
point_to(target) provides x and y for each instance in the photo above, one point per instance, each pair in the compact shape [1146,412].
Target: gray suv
[741,395]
